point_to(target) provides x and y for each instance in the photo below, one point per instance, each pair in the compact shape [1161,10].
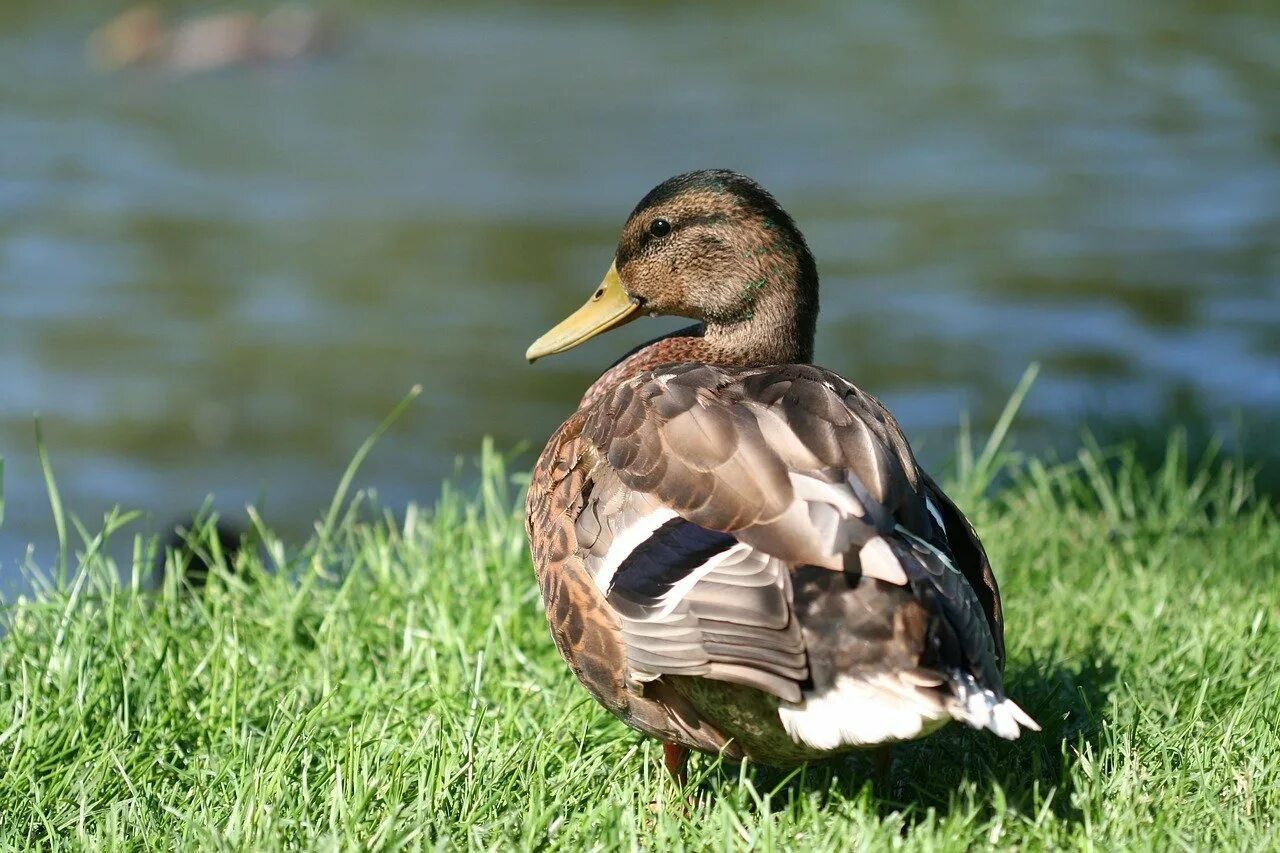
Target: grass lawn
[392,683]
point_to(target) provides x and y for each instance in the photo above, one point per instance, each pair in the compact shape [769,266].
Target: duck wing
[717,493]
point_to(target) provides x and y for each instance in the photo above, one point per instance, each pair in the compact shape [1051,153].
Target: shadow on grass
[962,768]
[194,546]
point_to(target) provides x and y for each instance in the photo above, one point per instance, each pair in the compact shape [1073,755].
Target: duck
[737,551]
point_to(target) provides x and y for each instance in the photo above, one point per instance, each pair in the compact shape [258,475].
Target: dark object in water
[191,544]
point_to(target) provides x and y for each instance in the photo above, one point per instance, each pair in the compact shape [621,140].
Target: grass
[392,683]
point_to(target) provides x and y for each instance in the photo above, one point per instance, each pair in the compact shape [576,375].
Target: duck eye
[659,227]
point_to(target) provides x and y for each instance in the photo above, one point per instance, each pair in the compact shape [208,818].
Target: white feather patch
[626,541]
[878,561]
[887,708]
[863,712]
[979,708]
[835,514]
[672,597]
[839,495]
[937,516]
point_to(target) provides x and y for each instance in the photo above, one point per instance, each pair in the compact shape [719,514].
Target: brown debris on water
[143,36]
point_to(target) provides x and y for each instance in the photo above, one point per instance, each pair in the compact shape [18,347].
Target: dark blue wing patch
[959,636]
[658,563]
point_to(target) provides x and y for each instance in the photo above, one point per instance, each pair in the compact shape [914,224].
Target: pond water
[218,283]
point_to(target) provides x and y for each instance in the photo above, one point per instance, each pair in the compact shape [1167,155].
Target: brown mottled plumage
[736,549]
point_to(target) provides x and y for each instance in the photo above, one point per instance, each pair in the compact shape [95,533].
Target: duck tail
[961,641]
[983,708]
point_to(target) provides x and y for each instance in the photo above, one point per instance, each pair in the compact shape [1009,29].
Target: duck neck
[777,331]
[776,315]
[778,328]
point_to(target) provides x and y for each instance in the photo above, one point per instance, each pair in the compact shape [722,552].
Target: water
[219,283]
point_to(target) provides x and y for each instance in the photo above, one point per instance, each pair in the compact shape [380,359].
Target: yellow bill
[608,308]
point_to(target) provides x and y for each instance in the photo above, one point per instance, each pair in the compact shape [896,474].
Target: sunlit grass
[392,682]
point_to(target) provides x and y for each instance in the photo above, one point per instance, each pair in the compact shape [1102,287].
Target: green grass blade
[344,485]
[964,449]
[975,476]
[55,502]
[995,441]
[421,700]
[1,490]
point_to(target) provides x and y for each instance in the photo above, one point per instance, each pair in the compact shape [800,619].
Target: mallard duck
[737,551]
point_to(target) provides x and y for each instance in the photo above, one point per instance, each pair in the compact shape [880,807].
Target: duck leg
[675,757]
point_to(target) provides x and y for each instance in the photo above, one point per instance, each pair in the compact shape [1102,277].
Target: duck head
[715,247]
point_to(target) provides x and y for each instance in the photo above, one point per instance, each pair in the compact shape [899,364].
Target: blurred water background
[219,282]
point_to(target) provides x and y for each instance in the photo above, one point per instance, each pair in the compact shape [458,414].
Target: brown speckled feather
[584,627]
[719,445]
[734,450]
[736,549]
